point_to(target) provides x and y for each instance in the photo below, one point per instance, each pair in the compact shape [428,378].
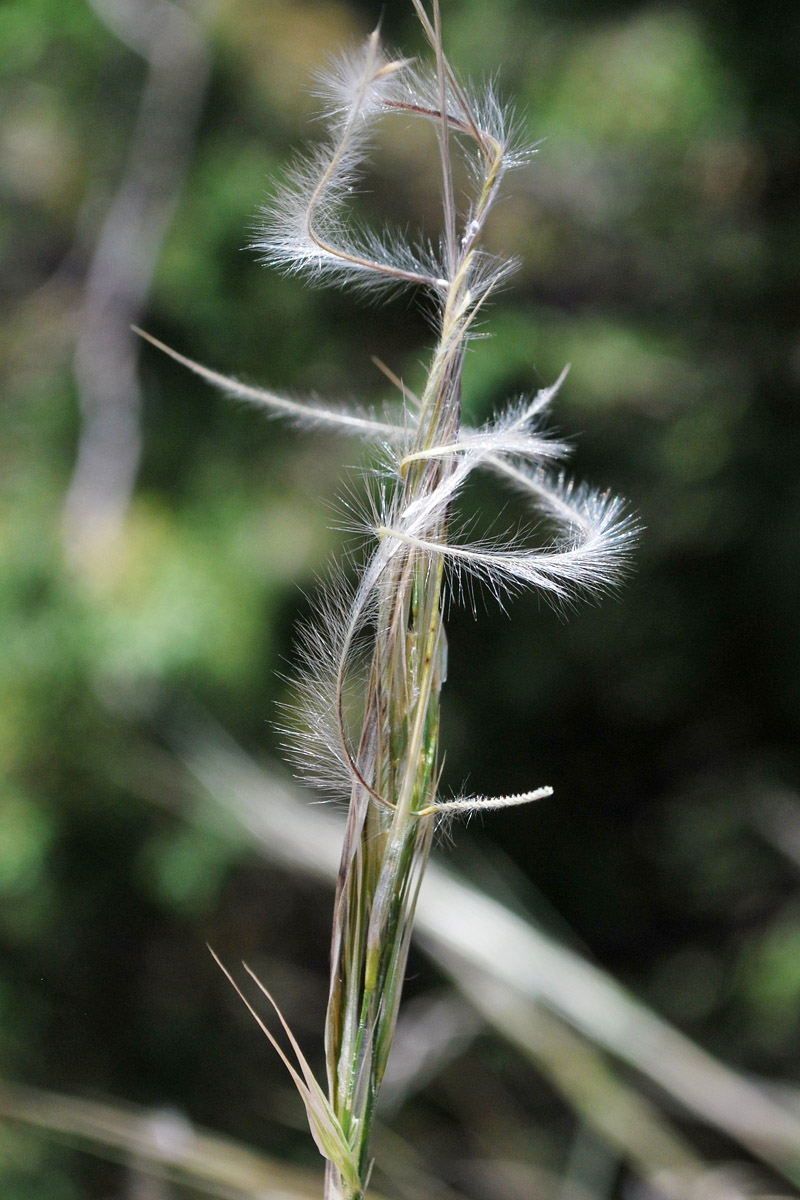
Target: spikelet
[383,636]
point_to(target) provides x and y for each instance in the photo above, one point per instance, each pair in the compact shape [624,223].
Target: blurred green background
[159,544]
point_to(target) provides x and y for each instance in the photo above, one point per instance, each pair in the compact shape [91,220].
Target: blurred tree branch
[161,1143]
[555,1004]
[121,270]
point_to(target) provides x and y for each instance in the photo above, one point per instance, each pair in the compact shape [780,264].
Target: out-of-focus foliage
[658,239]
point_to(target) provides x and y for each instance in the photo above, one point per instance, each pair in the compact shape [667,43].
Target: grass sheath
[389,765]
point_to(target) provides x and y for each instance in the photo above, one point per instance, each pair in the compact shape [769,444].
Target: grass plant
[385,637]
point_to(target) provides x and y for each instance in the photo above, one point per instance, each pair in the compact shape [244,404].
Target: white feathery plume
[361,83]
[514,433]
[467,805]
[312,733]
[302,412]
[303,230]
[590,559]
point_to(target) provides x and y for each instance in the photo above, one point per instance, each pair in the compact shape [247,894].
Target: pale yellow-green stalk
[391,623]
